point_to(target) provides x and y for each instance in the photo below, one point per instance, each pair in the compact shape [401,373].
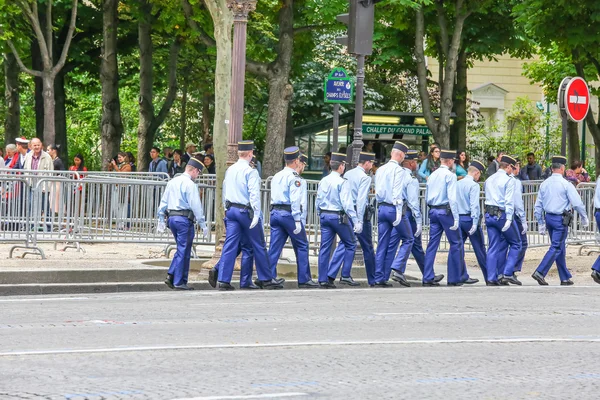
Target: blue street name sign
[339,88]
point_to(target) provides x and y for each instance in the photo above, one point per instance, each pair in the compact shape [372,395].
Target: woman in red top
[78,165]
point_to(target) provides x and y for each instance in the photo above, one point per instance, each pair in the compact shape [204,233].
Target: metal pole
[357,144]
[547,130]
[563,144]
[240,9]
[583,143]
[336,126]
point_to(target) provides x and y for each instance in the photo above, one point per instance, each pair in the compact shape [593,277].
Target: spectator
[12,157]
[78,164]
[177,166]
[22,149]
[53,151]
[495,165]
[37,159]
[577,174]
[430,164]
[131,161]
[369,147]
[532,171]
[209,149]
[209,163]
[157,164]
[190,149]
[168,152]
[462,164]
[326,161]
[122,164]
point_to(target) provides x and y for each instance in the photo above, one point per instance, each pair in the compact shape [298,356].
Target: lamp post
[240,9]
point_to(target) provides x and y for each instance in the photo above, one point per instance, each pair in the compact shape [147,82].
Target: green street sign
[339,88]
[417,130]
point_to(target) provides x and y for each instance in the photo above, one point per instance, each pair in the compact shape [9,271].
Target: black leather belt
[237,205]
[464,215]
[440,207]
[189,214]
[332,212]
[596,210]
[493,209]
[283,207]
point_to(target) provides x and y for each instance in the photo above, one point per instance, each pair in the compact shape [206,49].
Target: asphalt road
[418,343]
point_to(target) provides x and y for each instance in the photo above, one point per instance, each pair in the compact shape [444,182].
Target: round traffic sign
[577,99]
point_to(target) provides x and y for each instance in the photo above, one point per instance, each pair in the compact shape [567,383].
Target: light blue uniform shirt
[467,193]
[286,188]
[182,194]
[500,192]
[597,196]
[304,200]
[556,195]
[334,195]
[390,181]
[242,185]
[360,185]
[519,206]
[441,189]
[411,196]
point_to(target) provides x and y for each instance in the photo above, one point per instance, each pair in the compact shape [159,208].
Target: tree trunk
[290,140]
[280,92]
[183,118]
[111,122]
[206,136]
[60,116]
[574,151]
[49,108]
[12,119]
[36,63]
[458,131]
[146,112]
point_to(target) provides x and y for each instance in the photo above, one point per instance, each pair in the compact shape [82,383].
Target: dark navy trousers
[330,227]
[596,266]
[440,222]
[237,225]
[477,243]
[282,227]
[389,237]
[417,249]
[558,236]
[365,239]
[247,262]
[524,244]
[497,261]
[183,231]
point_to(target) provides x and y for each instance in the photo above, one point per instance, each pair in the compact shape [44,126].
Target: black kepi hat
[303,159]
[509,160]
[246,145]
[448,154]
[411,155]
[291,153]
[401,146]
[364,157]
[478,164]
[559,160]
[338,157]
[196,163]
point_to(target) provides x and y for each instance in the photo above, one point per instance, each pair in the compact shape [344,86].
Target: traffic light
[360,21]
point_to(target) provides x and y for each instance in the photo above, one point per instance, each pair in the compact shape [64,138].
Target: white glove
[205,231]
[358,227]
[254,222]
[398,217]
[542,229]
[298,228]
[585,221]
[455,226]
[524,226]
[160,228]
[507,225]
[473,229]
[419,230]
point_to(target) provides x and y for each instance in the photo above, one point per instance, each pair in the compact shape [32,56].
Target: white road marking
[41,299]
[432,313]
[243,304]
[251,396]
[572,339]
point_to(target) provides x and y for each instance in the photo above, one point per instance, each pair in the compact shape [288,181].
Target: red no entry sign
[577,99]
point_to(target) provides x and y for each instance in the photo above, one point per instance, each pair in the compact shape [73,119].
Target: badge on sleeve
[297,183]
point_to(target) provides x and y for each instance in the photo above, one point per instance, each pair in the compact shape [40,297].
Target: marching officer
[596,266]
[241,195]
[470,211]
[304,195]
[520,219]
[181,204]
[360,186]
[499,214]
[335,209]
[441,198]
[555,198]
[286,218]
[390,182]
